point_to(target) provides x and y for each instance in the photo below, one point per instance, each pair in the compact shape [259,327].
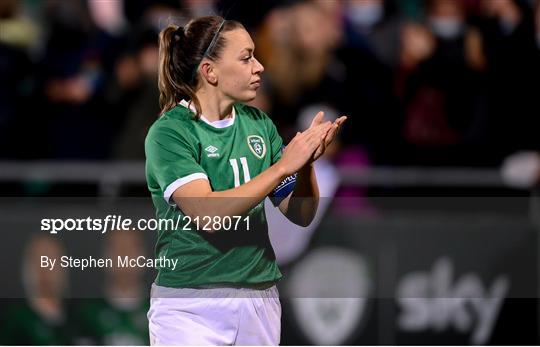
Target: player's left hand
[330,135]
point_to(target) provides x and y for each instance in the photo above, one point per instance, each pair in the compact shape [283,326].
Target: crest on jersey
[256,145]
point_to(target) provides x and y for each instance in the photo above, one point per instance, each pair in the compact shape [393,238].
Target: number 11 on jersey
[236,171]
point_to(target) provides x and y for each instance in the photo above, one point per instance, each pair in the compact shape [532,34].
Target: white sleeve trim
[180,182]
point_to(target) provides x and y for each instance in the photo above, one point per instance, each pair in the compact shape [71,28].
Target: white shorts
[215,316]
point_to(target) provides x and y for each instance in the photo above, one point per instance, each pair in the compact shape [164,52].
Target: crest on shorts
[256,145]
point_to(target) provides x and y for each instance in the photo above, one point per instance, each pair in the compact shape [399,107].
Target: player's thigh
[260,322]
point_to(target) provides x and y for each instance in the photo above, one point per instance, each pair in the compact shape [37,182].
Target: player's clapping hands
[309,145]
[330,135]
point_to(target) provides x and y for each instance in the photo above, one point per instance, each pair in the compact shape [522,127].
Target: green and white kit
[228,153]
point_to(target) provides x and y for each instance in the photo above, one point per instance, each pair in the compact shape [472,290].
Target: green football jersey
[228,153]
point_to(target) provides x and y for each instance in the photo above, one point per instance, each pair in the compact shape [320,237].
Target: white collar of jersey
[223,123]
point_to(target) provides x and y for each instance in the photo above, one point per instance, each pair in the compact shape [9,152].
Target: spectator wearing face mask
[370,54]
[440,88]
[373,25]
[301,36]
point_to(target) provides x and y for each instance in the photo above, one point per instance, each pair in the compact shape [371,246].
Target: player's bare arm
[197,198]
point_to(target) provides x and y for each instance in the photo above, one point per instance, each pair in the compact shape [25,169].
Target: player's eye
[246,59]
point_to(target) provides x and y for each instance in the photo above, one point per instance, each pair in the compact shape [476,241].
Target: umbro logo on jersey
[212,151]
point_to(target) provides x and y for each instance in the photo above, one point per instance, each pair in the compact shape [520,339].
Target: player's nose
[258,67]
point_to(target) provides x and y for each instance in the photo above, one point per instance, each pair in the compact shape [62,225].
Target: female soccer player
[210,162]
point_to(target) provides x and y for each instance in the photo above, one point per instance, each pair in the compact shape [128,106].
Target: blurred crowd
[424,82]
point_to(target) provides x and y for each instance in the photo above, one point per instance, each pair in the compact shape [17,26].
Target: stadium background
[428,228]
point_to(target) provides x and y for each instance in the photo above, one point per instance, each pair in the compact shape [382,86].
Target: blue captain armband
[283,189]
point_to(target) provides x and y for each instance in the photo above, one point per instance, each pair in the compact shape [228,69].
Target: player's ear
[208,71]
